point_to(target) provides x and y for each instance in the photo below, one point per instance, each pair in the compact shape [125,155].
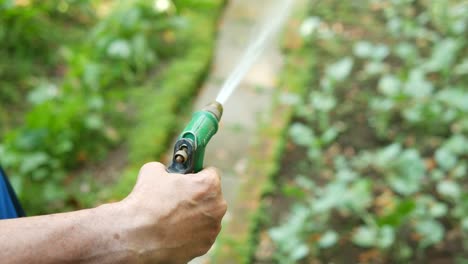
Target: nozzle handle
[189,150]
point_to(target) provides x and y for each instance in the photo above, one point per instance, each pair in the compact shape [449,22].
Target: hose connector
[215,108]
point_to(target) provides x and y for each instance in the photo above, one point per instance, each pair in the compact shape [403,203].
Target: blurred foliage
[32,34]
[382,136]
[75,119]
[177,85]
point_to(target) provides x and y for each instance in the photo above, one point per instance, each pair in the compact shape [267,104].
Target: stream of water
[273,22]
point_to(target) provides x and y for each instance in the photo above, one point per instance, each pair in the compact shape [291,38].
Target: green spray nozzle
[189,149]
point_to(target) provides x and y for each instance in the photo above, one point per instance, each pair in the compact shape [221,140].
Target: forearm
[166,219]
[90,236]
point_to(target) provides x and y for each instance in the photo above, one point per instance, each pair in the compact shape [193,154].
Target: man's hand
[167,218]
[177,217]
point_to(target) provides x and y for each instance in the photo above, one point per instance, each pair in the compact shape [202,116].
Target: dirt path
[253,98]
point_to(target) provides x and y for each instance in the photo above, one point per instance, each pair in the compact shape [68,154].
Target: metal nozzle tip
[215,108]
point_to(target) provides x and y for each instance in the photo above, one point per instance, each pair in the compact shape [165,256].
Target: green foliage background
[82,78]
[379,146]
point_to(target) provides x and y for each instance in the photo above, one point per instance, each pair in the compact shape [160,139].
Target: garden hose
[189,149]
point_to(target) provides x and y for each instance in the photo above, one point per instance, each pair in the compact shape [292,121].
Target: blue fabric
[9,205]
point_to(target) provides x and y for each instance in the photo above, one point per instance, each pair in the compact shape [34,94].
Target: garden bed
[375,168]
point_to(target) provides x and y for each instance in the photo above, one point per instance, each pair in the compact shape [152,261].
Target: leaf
[389,85]
[359,195]
[417,85]
[365,236]
[43,93]
[454,97]
[438,210]
[329,135]
[346,175]
[309,26]
[92,75]
[408,172]
[432,232]
[449,189]
[328,239]
[464,224]
[443,54]
[93,122]
[445,159]
[406,50]
[288,236]
[53,192]
[301,134]
[460,171]
[386,237]
[385,156]
[402,210]
[293,191]
[380,52]
[332,196]
[95,103]
[119,49]
[375,67]
[462,68]
[33,161]
[305,182]
[322,101]
[340,70]
[299,252]
[381,104]
[363,49]
[457,144]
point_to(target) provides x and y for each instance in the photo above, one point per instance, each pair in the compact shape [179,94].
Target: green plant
[76,120]
[384,131]
[32,35]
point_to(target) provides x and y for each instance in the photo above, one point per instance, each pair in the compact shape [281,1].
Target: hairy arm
[167,218]
[92,235]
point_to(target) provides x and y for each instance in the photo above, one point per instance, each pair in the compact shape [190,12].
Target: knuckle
[214,180]
[203,248]
[211,241]
[150,166]
[217,230]
[212,175]
[223,207]
[209,182]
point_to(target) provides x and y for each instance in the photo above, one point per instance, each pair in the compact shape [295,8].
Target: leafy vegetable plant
[384,130]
